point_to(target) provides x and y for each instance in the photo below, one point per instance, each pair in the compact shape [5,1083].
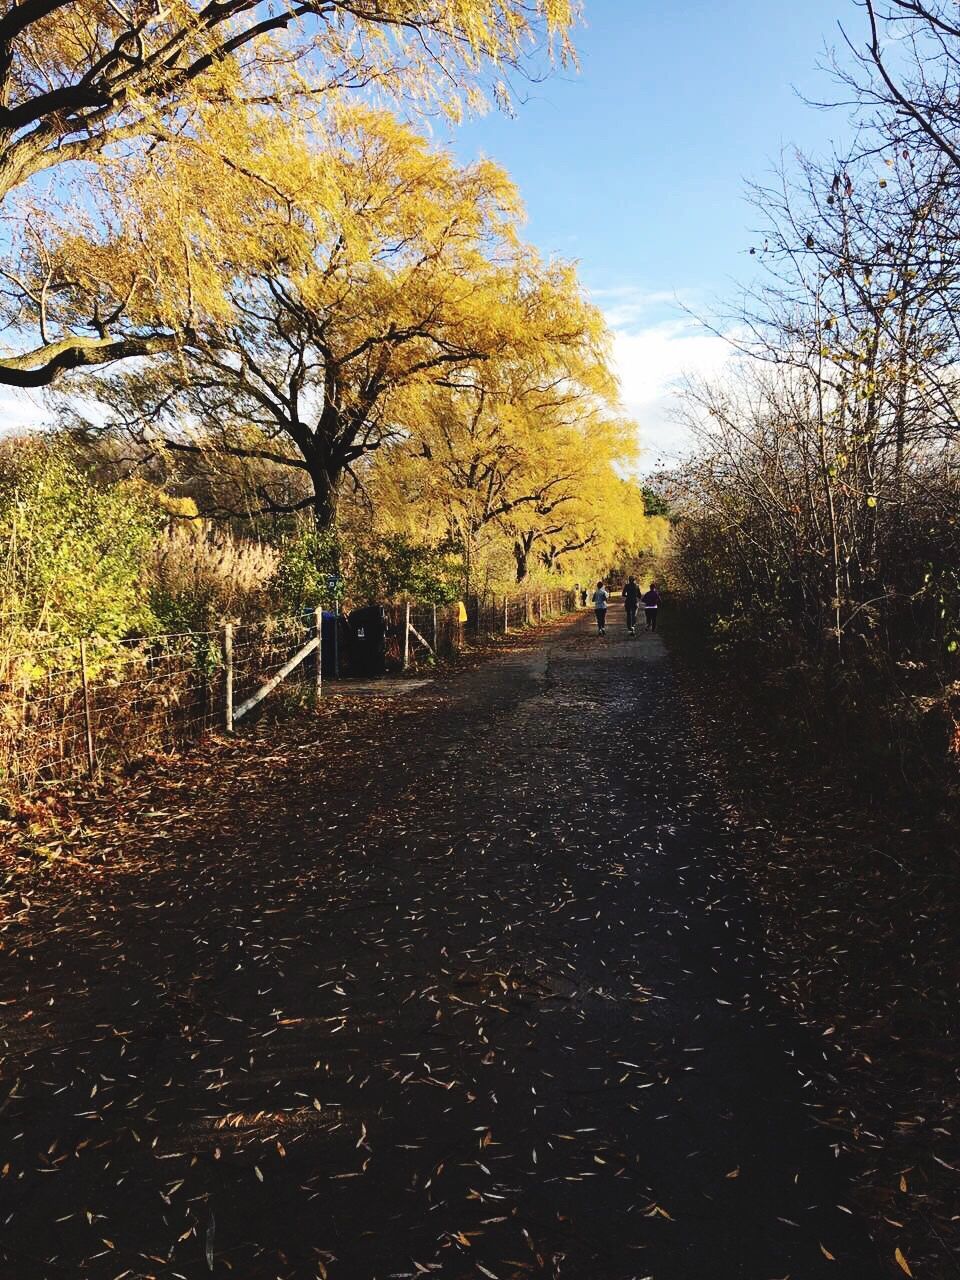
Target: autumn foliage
[253,288]
[87,85]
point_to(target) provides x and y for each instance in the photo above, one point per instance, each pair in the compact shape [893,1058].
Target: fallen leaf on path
[902,1263]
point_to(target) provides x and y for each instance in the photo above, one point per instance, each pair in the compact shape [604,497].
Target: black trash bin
[368,640]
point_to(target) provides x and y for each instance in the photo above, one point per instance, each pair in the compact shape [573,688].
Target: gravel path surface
[491,1005]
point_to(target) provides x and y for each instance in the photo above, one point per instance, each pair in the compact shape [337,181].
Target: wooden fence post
[318,677]
[436,649]
[406,634]
[506,614]
[87,718]
[228,677]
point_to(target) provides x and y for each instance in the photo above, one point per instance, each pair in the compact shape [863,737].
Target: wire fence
[69,709]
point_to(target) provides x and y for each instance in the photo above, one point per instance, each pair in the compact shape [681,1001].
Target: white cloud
[21,411]
[655,346]
[652,364]
[625,306]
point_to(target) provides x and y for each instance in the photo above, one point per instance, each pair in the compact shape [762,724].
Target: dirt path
[490,1006]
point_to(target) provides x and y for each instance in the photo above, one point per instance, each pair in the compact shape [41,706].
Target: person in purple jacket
[651,603]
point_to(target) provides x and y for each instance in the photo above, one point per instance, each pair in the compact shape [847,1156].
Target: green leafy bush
[73,552]
[306,562]
[393,566]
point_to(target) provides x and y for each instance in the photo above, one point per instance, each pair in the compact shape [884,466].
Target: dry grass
[200,576]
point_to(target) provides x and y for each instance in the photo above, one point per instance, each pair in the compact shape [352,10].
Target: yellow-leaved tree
[83,82]
[521,464]
[360,274]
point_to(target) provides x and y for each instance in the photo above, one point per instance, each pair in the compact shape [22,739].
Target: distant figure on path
[651,603]
[601,598]
[583,597]
[631,602]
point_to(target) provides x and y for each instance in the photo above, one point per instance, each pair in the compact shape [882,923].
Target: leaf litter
[308,1003]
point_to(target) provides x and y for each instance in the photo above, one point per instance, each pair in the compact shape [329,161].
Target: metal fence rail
[67,709]
[64,707]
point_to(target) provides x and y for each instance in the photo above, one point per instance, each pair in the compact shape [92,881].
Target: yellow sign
[461,611]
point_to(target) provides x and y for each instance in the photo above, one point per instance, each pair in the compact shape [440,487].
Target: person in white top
[601,598]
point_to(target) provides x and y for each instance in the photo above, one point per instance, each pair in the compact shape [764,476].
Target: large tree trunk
[521,553]
[326,493]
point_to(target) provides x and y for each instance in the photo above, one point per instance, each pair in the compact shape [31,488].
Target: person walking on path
[631,602]
[651,603]
[601,598]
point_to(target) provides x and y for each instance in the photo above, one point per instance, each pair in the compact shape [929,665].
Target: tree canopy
[82,82]
[279,294]
[391,271]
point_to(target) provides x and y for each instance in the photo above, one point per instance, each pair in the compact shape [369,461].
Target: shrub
[73,552]
[306,562]
[393,565]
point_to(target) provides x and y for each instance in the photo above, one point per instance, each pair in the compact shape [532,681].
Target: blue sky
[636,166]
